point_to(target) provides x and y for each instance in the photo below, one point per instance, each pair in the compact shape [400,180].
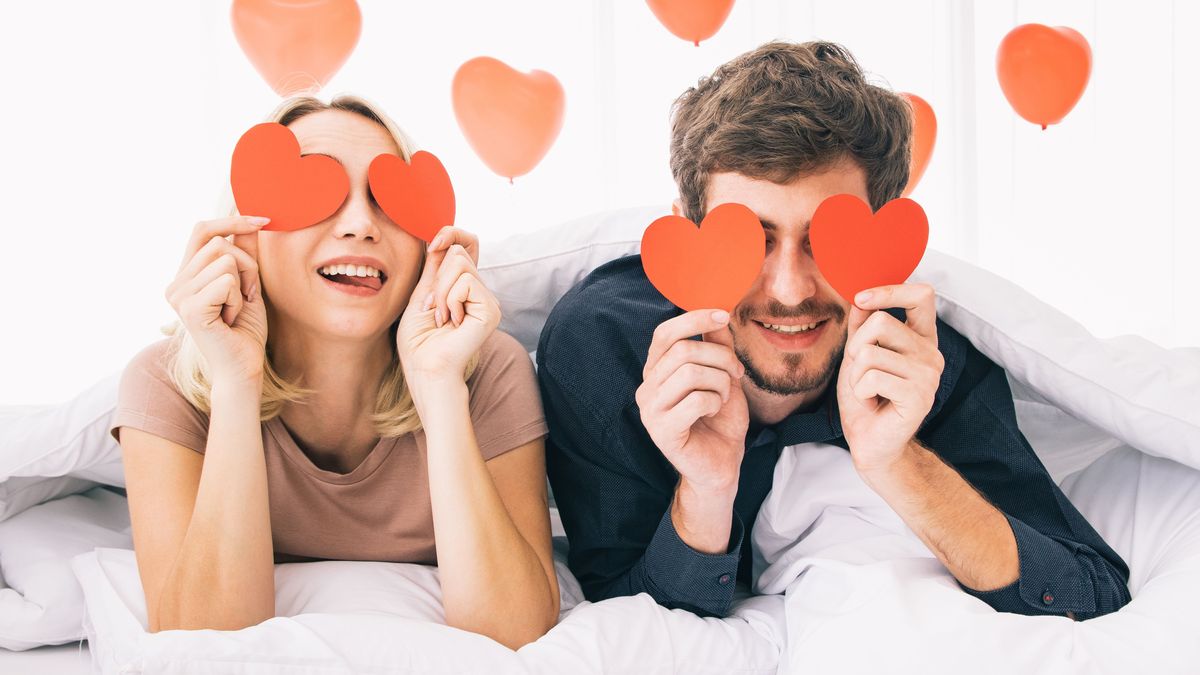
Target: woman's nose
[357,219]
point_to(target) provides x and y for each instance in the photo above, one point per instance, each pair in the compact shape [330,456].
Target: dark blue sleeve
[614,494]
[1065,566]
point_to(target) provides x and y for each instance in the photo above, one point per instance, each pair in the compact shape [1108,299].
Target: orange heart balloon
[296,45]
[1043,71]
[856,250]
[923,138]
[710,267]
[509,118]
[692,20]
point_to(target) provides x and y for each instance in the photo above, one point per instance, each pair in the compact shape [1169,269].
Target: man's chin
[790,374]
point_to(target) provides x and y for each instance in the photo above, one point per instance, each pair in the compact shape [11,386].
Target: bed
[1116,422]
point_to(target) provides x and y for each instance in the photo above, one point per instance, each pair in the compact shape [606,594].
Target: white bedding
[879,604]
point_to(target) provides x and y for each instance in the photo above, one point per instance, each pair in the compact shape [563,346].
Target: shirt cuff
[1050,580]
[700,582]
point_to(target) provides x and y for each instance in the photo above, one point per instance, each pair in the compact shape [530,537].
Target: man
[665,426]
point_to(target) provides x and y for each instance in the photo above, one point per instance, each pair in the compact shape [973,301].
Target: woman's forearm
[493,582]
[223,576]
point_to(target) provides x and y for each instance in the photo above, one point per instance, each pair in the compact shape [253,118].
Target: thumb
[720,336]
[433,261]
[856,319]
[249,244]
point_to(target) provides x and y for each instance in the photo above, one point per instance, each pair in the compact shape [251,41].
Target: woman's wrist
[239,389]
[436,395]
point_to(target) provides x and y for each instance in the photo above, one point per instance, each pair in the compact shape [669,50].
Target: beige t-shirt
[380,510]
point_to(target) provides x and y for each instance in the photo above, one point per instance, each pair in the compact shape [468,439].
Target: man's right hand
[693,407]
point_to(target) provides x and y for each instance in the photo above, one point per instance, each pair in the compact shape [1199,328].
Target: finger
[204,308]
[450,235]
[221,227]
[233,304]
[887,331]
[222,265]
[878,383]
[456,263]
[855,320]
[694,406]
[691,377]
[682,327]
[693,351]
[247,266]
[919,302]
[424,287]
[467,290]
[874,357]
[249,274]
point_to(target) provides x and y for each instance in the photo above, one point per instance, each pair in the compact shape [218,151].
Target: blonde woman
[336,392]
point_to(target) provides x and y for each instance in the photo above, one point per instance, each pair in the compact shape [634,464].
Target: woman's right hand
[217,295]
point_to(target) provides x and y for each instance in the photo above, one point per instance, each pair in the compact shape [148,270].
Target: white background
[119,119]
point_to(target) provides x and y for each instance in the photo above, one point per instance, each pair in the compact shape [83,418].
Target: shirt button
[724,579]
[1047,598]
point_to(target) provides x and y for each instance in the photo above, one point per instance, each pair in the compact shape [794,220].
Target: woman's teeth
[350,270]
[791,329]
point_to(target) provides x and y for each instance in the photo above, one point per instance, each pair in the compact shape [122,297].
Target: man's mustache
[775,309]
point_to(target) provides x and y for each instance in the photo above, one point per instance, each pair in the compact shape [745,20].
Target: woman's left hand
[450,312]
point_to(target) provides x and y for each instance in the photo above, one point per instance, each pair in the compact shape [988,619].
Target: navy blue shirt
[613,487]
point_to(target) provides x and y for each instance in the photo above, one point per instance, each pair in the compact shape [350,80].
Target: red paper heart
[416,195]
[271,179]
[712,266]
[856,250]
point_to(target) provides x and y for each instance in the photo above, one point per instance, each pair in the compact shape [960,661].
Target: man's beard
[796,379]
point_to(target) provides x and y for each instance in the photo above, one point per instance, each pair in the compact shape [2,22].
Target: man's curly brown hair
[785,109]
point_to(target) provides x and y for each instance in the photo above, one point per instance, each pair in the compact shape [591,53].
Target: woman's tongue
[368,282]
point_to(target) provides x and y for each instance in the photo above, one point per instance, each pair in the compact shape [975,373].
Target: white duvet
[848,587]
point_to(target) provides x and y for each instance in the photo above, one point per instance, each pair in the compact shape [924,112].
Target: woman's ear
[677,207]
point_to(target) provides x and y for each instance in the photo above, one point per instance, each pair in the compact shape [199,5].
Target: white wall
[120,118]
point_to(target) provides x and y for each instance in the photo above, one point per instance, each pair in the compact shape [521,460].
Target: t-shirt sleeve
[505,404]
[148,400]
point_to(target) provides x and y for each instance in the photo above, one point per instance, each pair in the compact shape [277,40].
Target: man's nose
[790,275]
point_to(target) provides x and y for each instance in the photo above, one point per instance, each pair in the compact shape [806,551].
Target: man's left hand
[889,374]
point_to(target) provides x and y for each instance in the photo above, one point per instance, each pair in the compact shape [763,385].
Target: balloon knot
[510,181]
[1043,127]
[696,42]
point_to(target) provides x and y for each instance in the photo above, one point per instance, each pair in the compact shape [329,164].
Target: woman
[336,392]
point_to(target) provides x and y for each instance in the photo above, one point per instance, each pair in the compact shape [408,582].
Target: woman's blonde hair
[395,414]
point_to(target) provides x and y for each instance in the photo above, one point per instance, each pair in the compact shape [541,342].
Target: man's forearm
[970,536]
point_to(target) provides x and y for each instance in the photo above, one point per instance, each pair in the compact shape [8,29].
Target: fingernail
[427,303]
[259,220]
[434,244]
[253,294]
[440,320]
[720,316]
[863,297]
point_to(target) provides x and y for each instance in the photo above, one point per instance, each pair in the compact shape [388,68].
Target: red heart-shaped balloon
[710,267]
[856,250]
[417,195]
[271,179]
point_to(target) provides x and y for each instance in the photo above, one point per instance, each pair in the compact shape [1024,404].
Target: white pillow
[1137,391]
[530,272]
[42,603]
[21,492]
[63,439]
